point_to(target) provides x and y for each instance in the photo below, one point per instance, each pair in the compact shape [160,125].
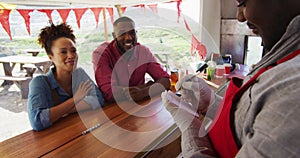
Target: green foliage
[166,40]
[18,45]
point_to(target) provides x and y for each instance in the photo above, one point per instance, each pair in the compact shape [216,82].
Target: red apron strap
[222,132]
[253,79]
[291,56]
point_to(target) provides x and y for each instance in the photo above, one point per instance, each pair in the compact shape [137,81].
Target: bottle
[173,78]
[210,70]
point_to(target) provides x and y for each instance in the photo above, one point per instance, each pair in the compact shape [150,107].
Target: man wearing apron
[259,115]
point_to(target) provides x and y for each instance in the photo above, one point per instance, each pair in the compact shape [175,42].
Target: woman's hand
[82,91]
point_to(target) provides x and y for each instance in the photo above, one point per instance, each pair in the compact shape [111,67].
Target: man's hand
[135,93]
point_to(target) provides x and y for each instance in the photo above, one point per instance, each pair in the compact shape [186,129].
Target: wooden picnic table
[40,63]
[34,52]
[30,64]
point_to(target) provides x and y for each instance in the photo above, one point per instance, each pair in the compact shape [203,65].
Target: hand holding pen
[196,91]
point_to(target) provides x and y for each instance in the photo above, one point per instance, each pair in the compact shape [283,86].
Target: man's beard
[122,49]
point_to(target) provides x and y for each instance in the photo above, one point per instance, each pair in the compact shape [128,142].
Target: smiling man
[123,64]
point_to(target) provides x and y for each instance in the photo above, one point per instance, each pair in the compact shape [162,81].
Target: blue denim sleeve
[39,103]
[94,97]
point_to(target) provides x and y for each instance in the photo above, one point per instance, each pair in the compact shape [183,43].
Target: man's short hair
[123,19]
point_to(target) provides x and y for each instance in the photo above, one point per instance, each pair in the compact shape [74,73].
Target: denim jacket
[40,97]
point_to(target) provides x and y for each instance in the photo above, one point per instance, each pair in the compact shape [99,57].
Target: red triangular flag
[48,12]
[143,6]
[4,19]
[64,13]
[186,25]
[178,9]
[202,51]
[123,9]
[196,44]
[26,16]
[111,14]
[96,12]
[153,7]
[78,13]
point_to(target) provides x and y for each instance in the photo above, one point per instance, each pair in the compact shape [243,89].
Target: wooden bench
[21,82]
[30,69]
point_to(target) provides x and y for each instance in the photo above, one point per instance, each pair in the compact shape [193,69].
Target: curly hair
[52,32]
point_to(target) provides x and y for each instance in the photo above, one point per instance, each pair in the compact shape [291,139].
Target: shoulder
[38,81]
[143,52]
[40,78]
[109,50]
[285,71]
[278,86]
[144,48]
[101,47]
[99,51]
[79,72]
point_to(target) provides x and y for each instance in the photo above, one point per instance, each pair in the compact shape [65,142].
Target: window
[254,50]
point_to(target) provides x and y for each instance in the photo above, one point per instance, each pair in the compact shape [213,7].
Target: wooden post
[119,10]
[105,26]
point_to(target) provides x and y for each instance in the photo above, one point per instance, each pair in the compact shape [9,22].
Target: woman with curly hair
[65,89]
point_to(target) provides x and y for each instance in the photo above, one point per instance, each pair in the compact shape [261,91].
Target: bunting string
[63,13]
[79,12]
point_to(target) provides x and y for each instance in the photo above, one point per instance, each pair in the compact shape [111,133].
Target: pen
[91,129]
[204,66]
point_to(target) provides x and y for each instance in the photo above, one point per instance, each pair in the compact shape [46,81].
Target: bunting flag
[142,6]
[111,14]
[64,13]
[48,12]
[153,7]
[26,16]
[96,12]
[202,52]
[196,44]
[78,14]
[4,19]
[123,9]
[178,9]
[186,25]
